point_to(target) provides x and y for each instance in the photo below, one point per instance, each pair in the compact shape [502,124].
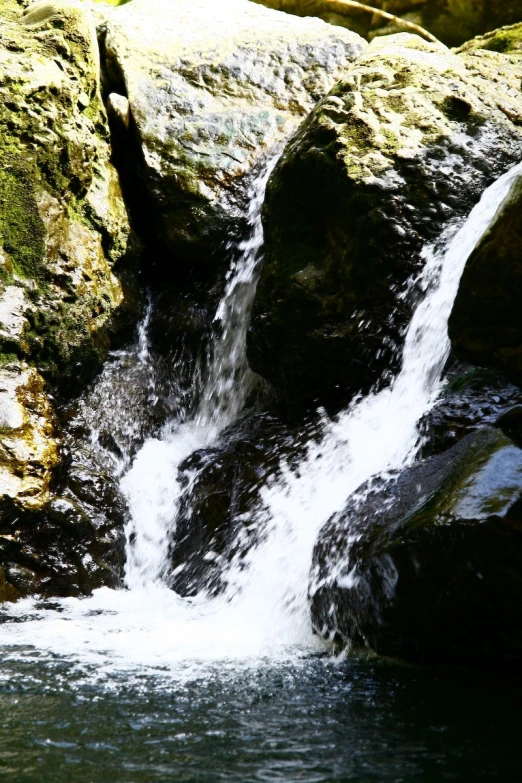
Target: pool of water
[311,719]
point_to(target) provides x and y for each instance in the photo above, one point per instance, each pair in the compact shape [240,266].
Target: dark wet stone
[427,567]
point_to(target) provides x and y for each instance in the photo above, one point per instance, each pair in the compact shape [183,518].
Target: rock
[473,396]
[506,40]
[212,92]
[427,567]
[63,223]
[63,229]
[28,437]
[485,325]
[215,522]
[404,143]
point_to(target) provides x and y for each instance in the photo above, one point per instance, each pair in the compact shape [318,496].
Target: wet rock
[63,231]
[472,397]
[212,92]
[485,326]
[404,143]
[216,523]
[427,567]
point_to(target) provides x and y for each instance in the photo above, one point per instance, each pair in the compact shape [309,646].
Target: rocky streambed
[131,142]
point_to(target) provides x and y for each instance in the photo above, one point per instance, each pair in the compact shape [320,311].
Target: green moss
[506,40]
[476,379]
[22,231]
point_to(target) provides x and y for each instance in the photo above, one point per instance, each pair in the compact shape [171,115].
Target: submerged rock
[485,326]
[402,145]
[212,90]
[426,567]
[63,229]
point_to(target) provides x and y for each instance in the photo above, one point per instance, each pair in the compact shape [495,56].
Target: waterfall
[264,611]
[152,486]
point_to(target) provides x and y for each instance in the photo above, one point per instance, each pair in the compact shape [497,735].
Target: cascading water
[264,611]
[152,485]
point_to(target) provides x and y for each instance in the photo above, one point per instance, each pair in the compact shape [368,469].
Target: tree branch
[345,6]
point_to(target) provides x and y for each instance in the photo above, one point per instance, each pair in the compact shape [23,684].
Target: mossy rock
[406,142]
[64,239]
[63,224]
[427,567]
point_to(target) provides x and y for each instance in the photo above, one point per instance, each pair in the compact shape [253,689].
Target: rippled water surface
[309,720]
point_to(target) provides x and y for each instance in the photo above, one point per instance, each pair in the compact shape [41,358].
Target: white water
[265,612]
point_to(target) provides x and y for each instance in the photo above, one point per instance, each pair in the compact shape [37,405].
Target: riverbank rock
[427,567]
[451,21]
[63,231]
[213,89]
[485,325]
[405,142]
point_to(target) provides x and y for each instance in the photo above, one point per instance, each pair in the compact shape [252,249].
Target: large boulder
[485,325]
[426,567]
[405,142]
[213,89]
[63,229]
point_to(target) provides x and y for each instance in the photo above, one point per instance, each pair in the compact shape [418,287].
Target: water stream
[260,626]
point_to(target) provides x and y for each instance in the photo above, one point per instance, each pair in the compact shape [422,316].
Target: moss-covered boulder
[212,90]
[404,143]
[485,325]
[63,224]
[427,567]
[63,230]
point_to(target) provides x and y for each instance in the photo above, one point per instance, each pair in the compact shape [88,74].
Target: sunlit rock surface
[213,87]
[405,142]
[427,567]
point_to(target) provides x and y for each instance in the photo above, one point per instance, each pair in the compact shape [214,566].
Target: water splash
[152,485]
[265,612]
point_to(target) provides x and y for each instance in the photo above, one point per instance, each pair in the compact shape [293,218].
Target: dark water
[311,721]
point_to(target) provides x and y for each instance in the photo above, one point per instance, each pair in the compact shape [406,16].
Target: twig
[344,6]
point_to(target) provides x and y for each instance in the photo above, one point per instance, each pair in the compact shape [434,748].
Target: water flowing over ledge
[264,613]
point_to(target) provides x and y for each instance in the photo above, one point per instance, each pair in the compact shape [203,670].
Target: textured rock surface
[63,223]
[213,88]
[451,21]
[406,141]
[428,567]
[485,325]
[63,227]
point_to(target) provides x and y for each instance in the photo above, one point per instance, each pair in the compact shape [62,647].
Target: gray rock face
[405,142]
[427,567]
[212,90]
